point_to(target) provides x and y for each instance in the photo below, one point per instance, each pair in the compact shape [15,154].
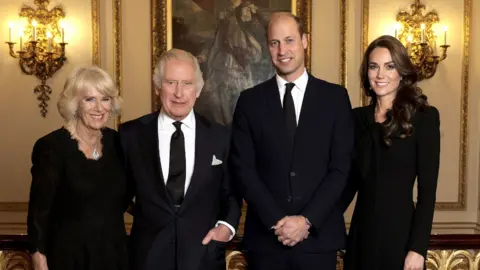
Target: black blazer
[159,231]
[275,181]
[386,224]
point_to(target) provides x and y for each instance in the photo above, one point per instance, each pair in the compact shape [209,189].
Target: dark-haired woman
[397,140]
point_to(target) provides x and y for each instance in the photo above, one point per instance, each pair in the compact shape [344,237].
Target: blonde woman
[77,196]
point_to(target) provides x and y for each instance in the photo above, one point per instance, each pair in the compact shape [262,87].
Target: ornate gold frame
[365,16]
[161,31]
[96,32]
[23,206]
[343,42]
[117,51]
[461,202]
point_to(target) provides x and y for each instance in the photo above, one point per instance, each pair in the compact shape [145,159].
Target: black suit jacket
[160,234]
[308,180]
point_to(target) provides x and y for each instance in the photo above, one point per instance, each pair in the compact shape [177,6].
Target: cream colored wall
[137,58]
[325,35]
[20,117]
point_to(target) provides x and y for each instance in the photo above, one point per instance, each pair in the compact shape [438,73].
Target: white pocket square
[216,161]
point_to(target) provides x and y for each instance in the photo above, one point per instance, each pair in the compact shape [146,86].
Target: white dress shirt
[165,132]
[298,91]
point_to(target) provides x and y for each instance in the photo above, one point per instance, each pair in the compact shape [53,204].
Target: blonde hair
[176,54]
[80,80]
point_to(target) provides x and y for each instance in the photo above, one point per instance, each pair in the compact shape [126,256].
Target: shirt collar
[300,82]
[166,122]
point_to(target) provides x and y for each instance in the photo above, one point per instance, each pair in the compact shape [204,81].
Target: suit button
[289,199]
[292,174]
[171,241]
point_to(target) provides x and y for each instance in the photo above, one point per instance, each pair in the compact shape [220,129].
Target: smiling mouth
[284,60]
[381,84]
[98,117]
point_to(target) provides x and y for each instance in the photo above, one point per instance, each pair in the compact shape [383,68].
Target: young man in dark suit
[185,207]
[291,147]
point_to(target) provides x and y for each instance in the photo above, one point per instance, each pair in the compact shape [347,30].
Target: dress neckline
[75,145]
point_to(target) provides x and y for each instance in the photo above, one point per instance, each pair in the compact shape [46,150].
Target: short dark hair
[300,26]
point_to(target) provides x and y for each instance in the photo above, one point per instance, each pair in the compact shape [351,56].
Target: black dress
[76,206]
[386,224]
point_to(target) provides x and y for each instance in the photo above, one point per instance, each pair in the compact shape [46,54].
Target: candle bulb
[49,45]
[10,25]
[398,26]
[62,26]
[445,28]
[21,36]
[409,42]
[34,24]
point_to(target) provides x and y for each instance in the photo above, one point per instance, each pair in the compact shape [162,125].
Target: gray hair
[80,80]
[176,54]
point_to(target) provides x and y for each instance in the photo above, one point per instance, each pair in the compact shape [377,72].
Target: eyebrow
[276,39]
[387,63]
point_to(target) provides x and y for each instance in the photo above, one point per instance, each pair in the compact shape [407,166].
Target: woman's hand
[414,261]
[39,261]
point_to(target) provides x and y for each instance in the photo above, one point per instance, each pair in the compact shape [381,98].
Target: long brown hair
[409,98]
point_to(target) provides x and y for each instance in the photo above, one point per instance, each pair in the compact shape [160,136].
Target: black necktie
[176,171]
[289,112]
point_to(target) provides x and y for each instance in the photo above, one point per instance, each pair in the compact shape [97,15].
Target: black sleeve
[129,203]
[428,161]
[46,174]
[243,168]
[329,193]
[231,201]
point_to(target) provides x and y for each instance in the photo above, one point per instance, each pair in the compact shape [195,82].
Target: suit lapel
[150,148]
[310,102]
[203,160]
[275,110]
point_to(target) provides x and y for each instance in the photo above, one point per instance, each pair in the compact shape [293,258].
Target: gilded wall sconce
[38,52]
[418,34]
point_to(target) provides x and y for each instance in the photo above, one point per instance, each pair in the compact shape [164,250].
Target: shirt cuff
[228,226]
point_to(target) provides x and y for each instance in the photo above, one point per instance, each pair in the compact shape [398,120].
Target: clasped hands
[291,230]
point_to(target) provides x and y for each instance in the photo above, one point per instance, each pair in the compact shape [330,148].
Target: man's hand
[414,261]
[220,233]
[292,230]
[39,261]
